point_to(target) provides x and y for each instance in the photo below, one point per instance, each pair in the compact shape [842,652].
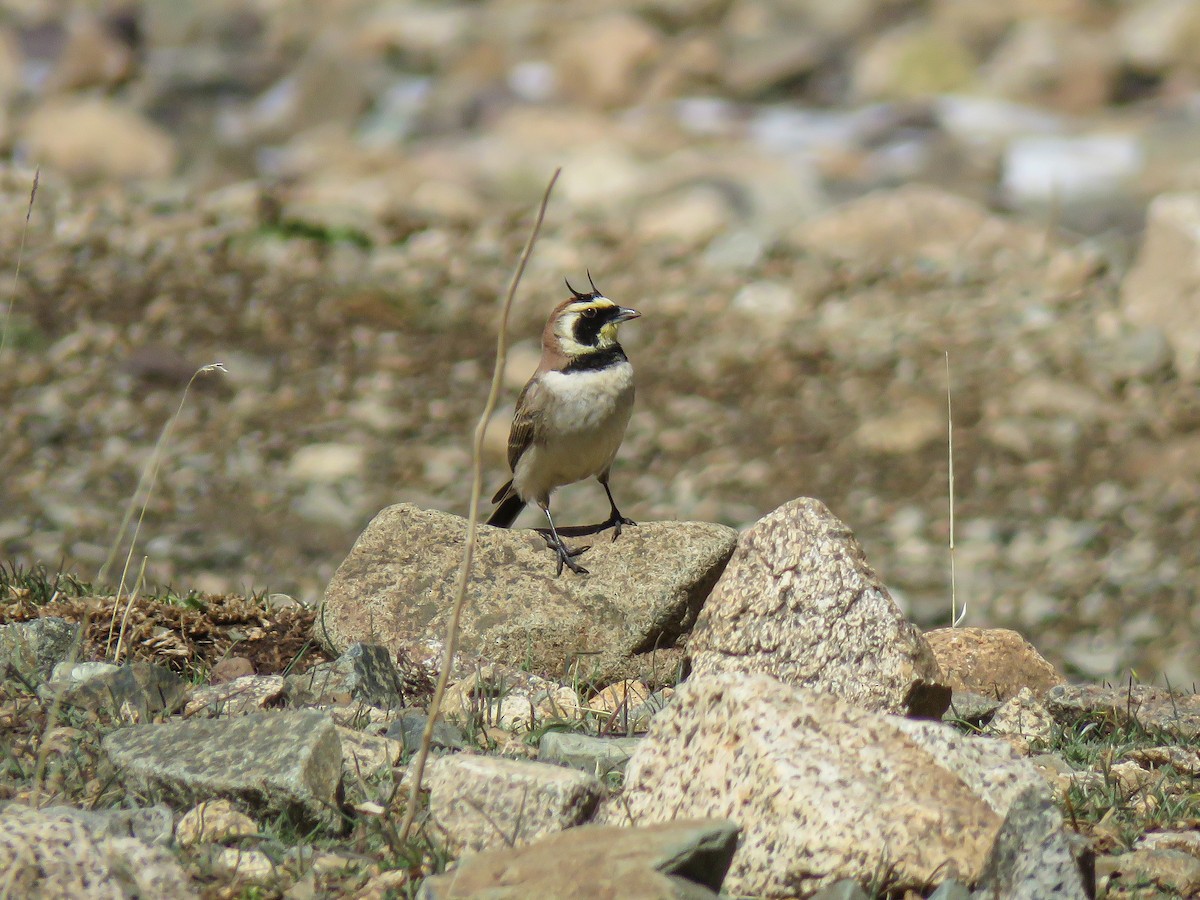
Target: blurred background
[812,203]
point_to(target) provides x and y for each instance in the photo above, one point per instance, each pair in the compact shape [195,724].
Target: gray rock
[1023,718]
[410,728]
[799,602]
[36,646]
[643,592]
[479,802]
[279,763]
[1034,857]
[1152,708]
[596,755]
[247,694]
[364,673]
[846,889]
[1070,169]
[950,890]
[969,707]
[55,853]
[134,692]
[679,860]
[796,768]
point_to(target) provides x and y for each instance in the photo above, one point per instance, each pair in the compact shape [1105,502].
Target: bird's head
[587,322]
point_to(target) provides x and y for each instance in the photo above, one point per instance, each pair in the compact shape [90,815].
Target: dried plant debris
[188,634]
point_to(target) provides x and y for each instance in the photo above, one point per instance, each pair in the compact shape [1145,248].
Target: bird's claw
[617,521]
[566,558]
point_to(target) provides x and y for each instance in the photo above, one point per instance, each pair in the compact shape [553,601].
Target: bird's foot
[566,556]
[616,521]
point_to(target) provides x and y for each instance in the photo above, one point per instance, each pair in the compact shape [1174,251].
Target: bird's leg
[615,519]
[564,555]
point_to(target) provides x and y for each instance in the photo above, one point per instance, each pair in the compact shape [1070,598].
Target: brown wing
[523,424]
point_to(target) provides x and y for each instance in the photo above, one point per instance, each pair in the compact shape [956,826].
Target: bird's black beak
[624,314]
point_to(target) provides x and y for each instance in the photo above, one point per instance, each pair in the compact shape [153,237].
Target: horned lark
[571,416]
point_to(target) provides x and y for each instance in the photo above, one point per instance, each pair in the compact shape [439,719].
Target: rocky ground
[800,758]
[812,205]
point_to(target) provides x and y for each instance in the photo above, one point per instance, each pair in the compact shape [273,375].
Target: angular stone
[213,822]
[477,802]
[1024,721]
[679,860]
[511,699]
[1034,857]
[410,728]
[969,707]
[1162,290]
[249,693]
[46,853]
[1152,708]
[1171,871]
[365,755]
[644,590]
[36,646]
[799,602]
[595,755]
[994,662]
[364,673]
[134,692]
[149,824]
[797,768]
[277,763]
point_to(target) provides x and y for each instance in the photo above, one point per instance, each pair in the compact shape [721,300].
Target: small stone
[595,755]
[846,889]
[909,62]
[410,728]
[366,755]
[134,692]
[994,662]
[327,463]
[230,668]
[1025,719]
[969,707]
[213,822]
[35,647]
[477,802]
[244,865]
[250,693]
[513,701]
[603,60]
[799,602]
[364,673]
[620,698]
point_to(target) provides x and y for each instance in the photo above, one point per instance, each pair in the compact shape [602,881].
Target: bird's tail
[510,507]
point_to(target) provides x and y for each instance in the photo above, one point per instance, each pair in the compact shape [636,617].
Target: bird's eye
[590,312]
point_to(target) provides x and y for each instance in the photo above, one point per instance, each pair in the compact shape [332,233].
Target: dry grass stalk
[464,572]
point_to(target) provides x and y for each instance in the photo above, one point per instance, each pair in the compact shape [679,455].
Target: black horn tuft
[578,296]
[595,290]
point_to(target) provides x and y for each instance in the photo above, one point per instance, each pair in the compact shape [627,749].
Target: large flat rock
[644,591]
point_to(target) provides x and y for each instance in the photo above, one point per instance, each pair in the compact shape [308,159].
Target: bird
[571,416]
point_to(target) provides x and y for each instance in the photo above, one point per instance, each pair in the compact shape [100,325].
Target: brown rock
[93,137]
[230,668]
[799,602]
[604,61]
[644,590]
[247,694]
[213,822]
[671,861]
[995,662]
